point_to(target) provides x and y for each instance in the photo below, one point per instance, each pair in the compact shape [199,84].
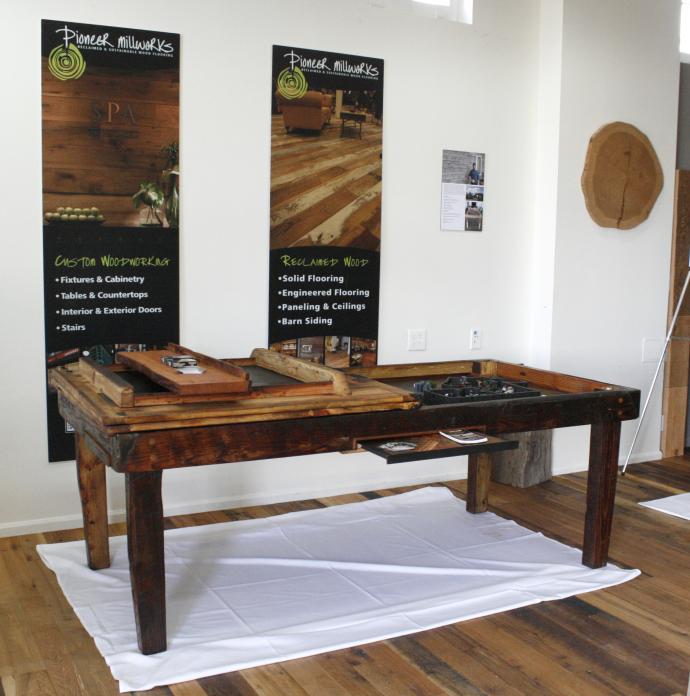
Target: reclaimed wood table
[157,433]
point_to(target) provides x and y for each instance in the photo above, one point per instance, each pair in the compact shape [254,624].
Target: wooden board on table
[301,370]
[269,374]
[217,378]
[365,396]
[401,370]
[549,380]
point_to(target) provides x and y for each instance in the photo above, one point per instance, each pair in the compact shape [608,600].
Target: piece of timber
[301,369]
[551,380]
[257,392]
[108,382]
[222,365]
[214,379]
[455,367]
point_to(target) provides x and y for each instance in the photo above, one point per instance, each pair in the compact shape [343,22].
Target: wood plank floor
[630,639]
[326,187]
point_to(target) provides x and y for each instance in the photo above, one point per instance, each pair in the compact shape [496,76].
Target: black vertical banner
[110,99]
[325,234]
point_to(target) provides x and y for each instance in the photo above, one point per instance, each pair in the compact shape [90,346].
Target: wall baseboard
[62,522]
[41,524]
[643,457]
[635,459]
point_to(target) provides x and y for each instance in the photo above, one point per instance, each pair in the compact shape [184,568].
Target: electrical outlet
[416,339]
[475,339]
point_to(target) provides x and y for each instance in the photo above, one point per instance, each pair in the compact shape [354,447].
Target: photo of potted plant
[163,196]
[169,178]
[150,195]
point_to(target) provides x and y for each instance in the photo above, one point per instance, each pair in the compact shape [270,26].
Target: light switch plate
[651,349]
[416,339]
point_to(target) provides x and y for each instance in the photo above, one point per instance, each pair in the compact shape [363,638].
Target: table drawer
[430,446]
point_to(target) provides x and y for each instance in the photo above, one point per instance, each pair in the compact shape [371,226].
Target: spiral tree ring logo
[292,84]
[66,62]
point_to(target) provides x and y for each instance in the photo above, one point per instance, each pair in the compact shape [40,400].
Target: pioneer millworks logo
[66,62]
[292,84]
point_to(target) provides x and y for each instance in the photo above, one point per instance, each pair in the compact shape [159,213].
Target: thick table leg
[146,561]
[478,478]
[601,491]
[94,505]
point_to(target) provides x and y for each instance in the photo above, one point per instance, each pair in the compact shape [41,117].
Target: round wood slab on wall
[622,177]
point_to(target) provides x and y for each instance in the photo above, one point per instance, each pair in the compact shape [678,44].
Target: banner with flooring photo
[325,230]
[110,196]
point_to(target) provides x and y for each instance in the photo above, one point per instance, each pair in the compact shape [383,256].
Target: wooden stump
[527,465]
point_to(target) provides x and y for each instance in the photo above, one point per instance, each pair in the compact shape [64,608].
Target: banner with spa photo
[110,99]
[325,227]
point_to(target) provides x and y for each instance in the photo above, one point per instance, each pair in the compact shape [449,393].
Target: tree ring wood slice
[622,177]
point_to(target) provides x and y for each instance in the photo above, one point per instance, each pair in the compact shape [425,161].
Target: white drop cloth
[676,505]
[248,593]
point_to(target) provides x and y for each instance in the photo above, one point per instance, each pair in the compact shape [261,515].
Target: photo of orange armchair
[310,112]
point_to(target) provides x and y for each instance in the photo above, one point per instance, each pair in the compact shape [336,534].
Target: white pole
[658,368]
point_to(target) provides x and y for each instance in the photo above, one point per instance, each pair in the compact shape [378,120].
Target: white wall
[548,113]
[524,84]
[447,85]
[619,63]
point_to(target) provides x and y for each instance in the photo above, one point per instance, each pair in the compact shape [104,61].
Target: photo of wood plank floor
[632,639]
[326,186]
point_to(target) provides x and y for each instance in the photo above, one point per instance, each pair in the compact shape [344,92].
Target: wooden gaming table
[140,430]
